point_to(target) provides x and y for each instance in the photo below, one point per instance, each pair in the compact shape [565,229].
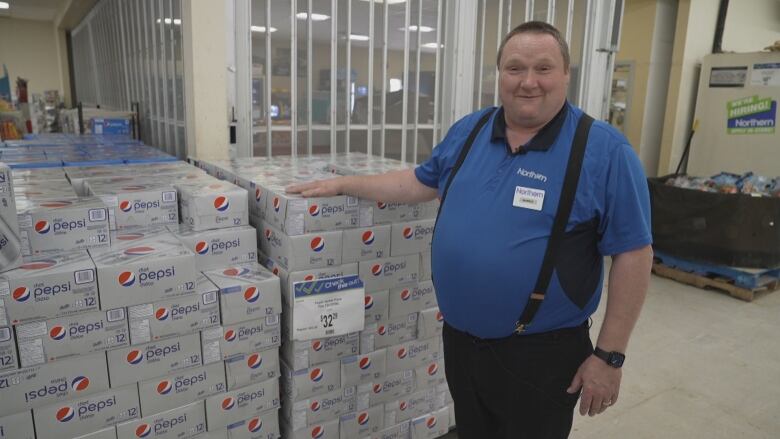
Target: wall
[751,26]
[29,49]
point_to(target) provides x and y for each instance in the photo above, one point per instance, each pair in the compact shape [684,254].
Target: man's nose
[528,80]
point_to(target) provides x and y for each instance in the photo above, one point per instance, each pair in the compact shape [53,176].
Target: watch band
[613,359]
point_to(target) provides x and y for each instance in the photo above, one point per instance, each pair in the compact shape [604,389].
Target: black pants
[514,387]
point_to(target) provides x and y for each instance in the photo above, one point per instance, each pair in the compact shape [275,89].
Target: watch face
[615,360]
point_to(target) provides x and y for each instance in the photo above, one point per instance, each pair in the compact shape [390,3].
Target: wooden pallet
[715,281]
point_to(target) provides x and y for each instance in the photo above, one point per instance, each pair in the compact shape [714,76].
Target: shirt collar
[542,141]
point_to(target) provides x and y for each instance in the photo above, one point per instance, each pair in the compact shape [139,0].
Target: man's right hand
[320,188]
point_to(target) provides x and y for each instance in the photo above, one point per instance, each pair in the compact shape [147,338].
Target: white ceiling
[43,10]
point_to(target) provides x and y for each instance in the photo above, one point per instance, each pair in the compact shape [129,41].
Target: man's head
[533,65]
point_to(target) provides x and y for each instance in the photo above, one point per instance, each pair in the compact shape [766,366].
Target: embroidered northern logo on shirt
[531,174]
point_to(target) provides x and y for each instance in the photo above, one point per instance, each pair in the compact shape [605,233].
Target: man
[521,377]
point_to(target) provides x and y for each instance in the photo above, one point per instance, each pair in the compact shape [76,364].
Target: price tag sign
[328,307]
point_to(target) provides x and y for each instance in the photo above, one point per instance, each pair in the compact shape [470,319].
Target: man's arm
[629,278]
[391,187]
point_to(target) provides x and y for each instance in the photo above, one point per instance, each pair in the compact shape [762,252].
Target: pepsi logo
[368,237]
[408,233]
[202,247]
[143,430]
[381,205]
[42,227]
[314,210]
[135,356]
[268,234]
[377,388]
[315,406]
[316,374]
[308,277]
[376,269]
[79,383]
[235,271]
[431,422]
[432,369]
[140,251]
[316,345]
[381,330]
[38,265]
[228,403]
[258,194]
[221,203]
[275,271]
[164,387]
[317,432]
[317,244]
[125,206]
[402,405]
[276,203]
[363,418]
[65,414]
[254,425]
[405,294]
[230,335]
[439,316]
[401,353]
[368,302]
[126,278]
[56,204]
[57,332]
[254,361]
[162,314]
[251,294]
[129,236]
[21,294]
[364,363]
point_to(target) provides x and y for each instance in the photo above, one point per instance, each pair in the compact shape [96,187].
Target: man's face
[532,79]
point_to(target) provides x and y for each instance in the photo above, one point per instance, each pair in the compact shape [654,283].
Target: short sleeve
[625,224]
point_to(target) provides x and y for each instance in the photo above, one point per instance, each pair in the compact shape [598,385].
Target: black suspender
[565,205]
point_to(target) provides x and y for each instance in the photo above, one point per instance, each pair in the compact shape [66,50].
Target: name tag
[528,198]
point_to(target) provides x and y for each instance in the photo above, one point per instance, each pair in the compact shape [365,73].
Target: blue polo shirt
[489,243]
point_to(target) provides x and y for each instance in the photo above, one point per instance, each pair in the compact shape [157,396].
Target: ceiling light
[389,2]
[355,37]
[4,5]
[314,16]
[413,28]
[262,29]
[176,21]
[431,45]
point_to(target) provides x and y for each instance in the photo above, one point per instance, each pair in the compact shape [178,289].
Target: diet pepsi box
[413,237]
[305,383]
[366,243]
[386,273]
[425,266]
[48,287]
[362,423]
[320,408]
[432,425]
[392,387]
[364,368]
[87,414]
[241,404]
[412,298]
[246,292]
[154,268]
[397,431]
[295,215]
[303,354]
[178,316]
[225,342]
[183,422]
[430,323]
[132,204]
[166,393]
[8,358]
[388,213]
[140,363]
[430,375]
[264,425]
[55,226]
[323,430]
[219,247]
[377,306]
[388,333]
[17,426]
[301,252]
[413,354]
[410,406]
[64,337]
[44,384]
[10,244]
[106,433]
[212,204]
[245,369]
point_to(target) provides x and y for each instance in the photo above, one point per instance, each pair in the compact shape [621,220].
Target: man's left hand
[600,385]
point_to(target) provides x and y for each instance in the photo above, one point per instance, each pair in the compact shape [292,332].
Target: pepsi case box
[413,354]
[377,306]
[224,342]
[87,414]
[241,404]
[245,369]
[303,354]
[10,246]
[386,273]
[219,247]
[392,387]
[410,406]
[320,408]
[47,287]
[161,394]
[425,266]
[305,383]
[246,292]
[43,192]
[322,430]
[17,426]
[9,360]
[430,323]
[64,337]
[55,226]
[397,431]
[378,212]
[178,316]
[264,425]
[362,423]
[366,243]
[364,368]
[411,237]
[132,204]
[301,252]
[430,374]
[412,298]
[106,433]
[183,422]
[295,215]
[212,204]
[156,267]
[388,333]
[432,425]
[139,363]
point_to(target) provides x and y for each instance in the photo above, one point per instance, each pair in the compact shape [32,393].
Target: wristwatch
[614,359]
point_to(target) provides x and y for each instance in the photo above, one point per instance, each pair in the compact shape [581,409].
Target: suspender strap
[565,205]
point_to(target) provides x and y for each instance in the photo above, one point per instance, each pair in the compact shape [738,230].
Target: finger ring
[607,403]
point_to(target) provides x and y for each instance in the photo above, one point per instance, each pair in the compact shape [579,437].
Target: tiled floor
[701,365]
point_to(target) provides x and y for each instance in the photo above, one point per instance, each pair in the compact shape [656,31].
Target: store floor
[701,365]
